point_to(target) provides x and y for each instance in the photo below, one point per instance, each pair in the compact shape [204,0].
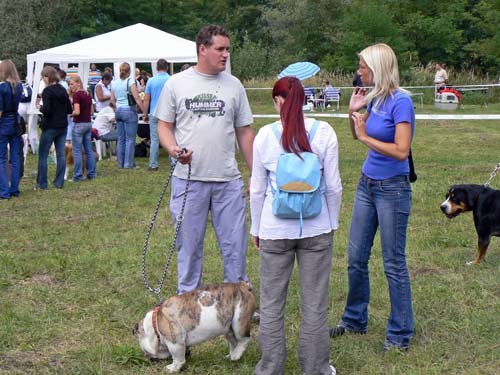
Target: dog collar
[155,322]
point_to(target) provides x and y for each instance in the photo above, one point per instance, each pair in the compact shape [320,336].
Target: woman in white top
[279,242]
[103,92]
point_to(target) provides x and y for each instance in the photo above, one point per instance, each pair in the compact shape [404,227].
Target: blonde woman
[82,129]
[383,197]
[10,95]
[126,116]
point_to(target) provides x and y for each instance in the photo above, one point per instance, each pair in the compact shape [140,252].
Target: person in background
[103,92]
[126,116]
[62,77]
[440,79]
[383,196]
[206,110]
[10,95]
[104,124]
[55,109]
[329,93]
[279,242]
[82,130]
[153,90]
[94,78]
[185,67]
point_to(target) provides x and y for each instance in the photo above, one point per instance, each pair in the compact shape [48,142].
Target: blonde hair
[383,63]
[8,71]
[76,78]
[126,70]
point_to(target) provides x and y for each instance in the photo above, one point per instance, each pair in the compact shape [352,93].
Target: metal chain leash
[492,175]
[179,219]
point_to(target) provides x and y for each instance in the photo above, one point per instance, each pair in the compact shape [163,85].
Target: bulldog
[195,317]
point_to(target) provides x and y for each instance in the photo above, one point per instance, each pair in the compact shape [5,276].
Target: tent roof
[135,43]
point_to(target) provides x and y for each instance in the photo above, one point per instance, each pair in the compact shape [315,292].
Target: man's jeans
[154,148]
[385,204]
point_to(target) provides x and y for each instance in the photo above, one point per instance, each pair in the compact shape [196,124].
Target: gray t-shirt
[205,110]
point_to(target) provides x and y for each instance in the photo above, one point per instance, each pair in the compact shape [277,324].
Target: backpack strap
[274,127]
[312,133]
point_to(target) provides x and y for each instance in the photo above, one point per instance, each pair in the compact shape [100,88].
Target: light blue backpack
[297,194]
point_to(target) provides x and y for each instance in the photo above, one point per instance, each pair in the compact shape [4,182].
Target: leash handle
[183,151]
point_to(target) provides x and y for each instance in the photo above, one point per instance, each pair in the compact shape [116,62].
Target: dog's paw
[469,263]
[174,367]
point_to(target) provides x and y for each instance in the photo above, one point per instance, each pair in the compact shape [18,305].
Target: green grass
[71,285]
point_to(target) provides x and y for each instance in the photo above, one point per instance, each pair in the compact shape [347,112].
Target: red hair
[294,138]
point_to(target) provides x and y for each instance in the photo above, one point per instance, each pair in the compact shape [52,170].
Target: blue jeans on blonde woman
[126,126]
[385,204]
[58,137]
[82,137]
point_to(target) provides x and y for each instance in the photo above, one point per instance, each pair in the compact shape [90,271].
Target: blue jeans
[81,136]
[8,137]
[58,136]
[126,126]
[154,148]
[385,204]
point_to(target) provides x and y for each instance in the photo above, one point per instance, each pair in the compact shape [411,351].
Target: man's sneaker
[334,370]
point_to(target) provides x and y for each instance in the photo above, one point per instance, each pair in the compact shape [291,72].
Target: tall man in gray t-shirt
[206,110]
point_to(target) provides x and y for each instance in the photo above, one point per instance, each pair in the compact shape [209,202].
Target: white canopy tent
[132,44]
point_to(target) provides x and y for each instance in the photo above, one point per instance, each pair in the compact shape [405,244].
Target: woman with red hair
[279,242]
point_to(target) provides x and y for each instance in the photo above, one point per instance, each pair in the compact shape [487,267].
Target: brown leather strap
[155,322]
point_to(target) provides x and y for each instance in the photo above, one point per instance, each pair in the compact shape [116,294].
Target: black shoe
[337,331]
[340,329]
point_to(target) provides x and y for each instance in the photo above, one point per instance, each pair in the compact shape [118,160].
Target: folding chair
[331,95]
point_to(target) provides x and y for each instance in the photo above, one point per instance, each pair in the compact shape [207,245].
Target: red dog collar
[155,322]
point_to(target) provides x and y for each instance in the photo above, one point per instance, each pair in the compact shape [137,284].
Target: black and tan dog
[195,317]
[484,203]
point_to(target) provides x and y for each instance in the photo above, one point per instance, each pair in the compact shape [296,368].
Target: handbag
[413,175]
[130,96]
[19,125]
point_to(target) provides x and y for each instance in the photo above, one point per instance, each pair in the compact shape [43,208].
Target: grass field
[71,285]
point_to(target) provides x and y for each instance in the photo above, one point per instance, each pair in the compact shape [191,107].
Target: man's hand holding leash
[183,155]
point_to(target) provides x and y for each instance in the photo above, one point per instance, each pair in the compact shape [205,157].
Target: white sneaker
[334,370]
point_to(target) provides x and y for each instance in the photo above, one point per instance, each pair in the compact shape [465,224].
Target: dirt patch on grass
[40,279]
[28,362]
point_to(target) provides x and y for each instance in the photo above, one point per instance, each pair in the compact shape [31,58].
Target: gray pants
[314,258]
[225,201]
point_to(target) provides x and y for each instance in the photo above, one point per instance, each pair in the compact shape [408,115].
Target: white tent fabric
[132,44]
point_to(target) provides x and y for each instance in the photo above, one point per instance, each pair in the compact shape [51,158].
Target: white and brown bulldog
[195,317]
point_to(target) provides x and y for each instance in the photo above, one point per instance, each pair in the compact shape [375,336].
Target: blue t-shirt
[154,86]
[381,125]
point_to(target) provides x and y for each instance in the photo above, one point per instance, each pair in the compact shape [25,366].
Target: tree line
[267,35]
